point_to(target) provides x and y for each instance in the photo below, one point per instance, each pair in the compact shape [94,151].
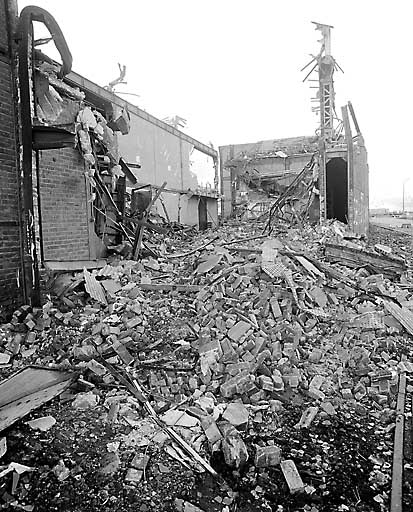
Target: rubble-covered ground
[278,368]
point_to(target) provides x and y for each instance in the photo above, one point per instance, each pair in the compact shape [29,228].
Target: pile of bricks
[225,337]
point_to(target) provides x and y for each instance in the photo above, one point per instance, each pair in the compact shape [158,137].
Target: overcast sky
[232,68]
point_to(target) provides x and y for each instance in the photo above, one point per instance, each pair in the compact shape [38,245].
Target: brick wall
[10,293]
[64,205]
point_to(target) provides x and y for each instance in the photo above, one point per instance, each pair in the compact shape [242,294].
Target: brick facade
[64,205]
[10,259]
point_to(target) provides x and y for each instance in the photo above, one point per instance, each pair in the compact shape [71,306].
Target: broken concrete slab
[44,423]
[237,415]
[85,401]
[174,417]
[233,447]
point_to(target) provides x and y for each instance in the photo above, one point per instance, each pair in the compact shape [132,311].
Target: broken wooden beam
[401,314]
[28,389]
[357,257]
[139,230]
[200,248]
[167,287]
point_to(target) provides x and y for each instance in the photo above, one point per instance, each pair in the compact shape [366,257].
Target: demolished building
[320,177]
[84,164]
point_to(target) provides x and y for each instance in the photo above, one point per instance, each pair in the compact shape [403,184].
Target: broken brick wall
[10,256]
[64,205]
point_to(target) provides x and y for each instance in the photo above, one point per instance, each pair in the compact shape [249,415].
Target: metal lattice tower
[325,65]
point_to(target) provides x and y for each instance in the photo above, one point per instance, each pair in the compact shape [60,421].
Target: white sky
[232,68]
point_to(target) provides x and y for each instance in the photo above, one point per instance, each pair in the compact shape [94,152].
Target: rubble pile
[248,359]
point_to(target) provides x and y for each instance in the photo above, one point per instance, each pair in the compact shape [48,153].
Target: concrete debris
[85,401]
[185,506]
[211,357]
[233,447]
[110,463]
[44,424]
[16,467]
[61,471]
[3,446]
[266,456]
[237,415]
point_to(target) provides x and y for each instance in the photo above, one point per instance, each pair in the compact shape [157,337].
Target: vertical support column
[322,178]
[181,164]
[350,166]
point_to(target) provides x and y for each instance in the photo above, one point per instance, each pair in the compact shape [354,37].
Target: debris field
[237,371]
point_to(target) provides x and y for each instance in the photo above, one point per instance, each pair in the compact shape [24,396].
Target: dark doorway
[336,190]
[202,213]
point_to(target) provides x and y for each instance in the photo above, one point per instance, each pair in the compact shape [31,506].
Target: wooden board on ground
[29,389]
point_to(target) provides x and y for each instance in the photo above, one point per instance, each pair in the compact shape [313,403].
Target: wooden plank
[200,248]
[74,265]
[25,381]
[139,230]
[357,257]
[245,250]
[127,172]
[13,412]
[29,389]
[139,393]
[401,314]
[312,269]
[353,116]
[184,288]
[397,472]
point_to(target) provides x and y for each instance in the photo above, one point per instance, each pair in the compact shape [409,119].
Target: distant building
[379,211]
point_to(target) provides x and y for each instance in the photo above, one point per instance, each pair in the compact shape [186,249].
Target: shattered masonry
[164,360]
[246,352]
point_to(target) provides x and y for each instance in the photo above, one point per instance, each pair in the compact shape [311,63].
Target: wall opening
[336,189]
[202,213]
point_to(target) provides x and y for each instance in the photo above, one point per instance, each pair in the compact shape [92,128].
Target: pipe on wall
[26,88]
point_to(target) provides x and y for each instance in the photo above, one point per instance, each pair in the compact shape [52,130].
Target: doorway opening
[202,214]
[336,190]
